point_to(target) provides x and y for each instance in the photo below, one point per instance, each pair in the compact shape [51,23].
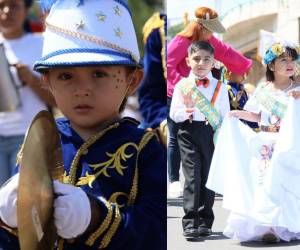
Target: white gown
[259,174]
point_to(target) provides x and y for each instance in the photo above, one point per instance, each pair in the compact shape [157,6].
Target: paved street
[215,242]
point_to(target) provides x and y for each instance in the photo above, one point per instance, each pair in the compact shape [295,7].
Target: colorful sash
[262,95]
[205,106]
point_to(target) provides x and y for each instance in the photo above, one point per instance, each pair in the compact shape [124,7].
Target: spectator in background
[22,49]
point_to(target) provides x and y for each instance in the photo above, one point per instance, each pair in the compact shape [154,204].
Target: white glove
[8,201]
[72,210]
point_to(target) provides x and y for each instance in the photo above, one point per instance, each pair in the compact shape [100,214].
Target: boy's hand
[295,94]
[72,210]
[235,113]
[190,111]
[8,202]
[188,100]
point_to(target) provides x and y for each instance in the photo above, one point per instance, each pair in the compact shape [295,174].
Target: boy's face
[233,77]
[201,62]
[91,96]
[12,15]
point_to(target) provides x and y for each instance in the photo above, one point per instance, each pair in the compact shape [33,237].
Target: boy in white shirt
[199,103]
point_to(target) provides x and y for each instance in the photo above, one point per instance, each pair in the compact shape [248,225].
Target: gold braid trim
[113,228]
[90,38]
[60,244]
[163,49]
[104,225]
[154,22]
[82,150]
[133,192]
[20,155]
[13,231]
[134,188]
[146,138]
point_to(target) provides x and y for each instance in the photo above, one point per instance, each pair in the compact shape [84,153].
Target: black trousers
[173,148]
[196,149]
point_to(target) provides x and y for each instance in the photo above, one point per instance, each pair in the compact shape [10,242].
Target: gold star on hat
[80,25]
[117,10]
[118,32]
[101,17]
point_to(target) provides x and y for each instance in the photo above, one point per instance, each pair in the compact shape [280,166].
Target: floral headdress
[277,49]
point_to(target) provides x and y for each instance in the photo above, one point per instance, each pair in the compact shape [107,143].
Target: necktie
[202,82]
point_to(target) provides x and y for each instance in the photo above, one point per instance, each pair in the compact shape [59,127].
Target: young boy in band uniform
[113,195]
[237,93]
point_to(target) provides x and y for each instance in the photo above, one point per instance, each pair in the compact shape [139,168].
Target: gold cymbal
[41,161]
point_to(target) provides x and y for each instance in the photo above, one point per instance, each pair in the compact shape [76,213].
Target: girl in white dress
[259,173]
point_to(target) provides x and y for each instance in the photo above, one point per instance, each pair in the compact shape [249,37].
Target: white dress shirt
[26,50]
[178,109]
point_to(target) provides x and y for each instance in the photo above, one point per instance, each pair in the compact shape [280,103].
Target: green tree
[173,30]
[141,11]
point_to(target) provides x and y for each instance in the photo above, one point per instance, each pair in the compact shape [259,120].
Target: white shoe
[175,189]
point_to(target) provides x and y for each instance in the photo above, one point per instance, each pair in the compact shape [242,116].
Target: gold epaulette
[154,22]
[19,155]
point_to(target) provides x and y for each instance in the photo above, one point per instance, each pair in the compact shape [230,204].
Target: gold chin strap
[127,89]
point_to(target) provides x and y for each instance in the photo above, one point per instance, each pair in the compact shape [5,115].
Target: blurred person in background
[153,90]
[22,49]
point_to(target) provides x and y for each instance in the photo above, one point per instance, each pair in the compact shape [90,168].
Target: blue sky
[176,8]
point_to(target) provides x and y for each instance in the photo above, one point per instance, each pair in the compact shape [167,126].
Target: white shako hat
[88,32]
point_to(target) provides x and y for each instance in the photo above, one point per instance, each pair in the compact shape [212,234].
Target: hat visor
[76,58]
[214,25]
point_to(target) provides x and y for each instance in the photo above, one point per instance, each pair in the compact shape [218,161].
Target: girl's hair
[289,52]
[194,30]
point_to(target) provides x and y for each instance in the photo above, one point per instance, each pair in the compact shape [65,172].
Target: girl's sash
[205,106]
[262,95]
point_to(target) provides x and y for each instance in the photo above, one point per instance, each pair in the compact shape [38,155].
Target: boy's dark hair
[200,45]
[290,52]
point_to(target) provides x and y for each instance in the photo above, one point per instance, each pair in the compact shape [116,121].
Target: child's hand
[72,210]
[25,74]
[8,202]
[295,94]
[190,110]
[234,113]
[188,100]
